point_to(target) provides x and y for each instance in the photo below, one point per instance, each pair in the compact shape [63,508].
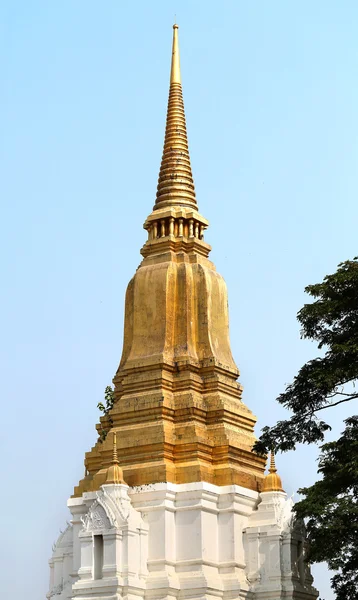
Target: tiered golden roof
[272,482]
[178,414]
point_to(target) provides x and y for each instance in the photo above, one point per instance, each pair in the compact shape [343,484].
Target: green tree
[330,509]
[105,408]
[330,506]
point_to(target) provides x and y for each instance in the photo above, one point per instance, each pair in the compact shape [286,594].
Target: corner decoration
[96,518]
[110,509]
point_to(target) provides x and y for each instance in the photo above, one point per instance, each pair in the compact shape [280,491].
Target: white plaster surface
[190,541]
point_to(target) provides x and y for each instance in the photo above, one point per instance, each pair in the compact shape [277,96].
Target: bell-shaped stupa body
[178,413]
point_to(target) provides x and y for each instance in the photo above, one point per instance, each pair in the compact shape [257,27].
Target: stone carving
[96,518]
[284,514]
[110,509]
[116,503]
[57,590]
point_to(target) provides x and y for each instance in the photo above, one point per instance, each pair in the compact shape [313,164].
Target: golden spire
[272,482]
[175,68]
[176,349]
[114,472]
[272,468]
[175,183]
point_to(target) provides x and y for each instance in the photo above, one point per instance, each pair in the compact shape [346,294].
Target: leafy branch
[332,321]
[330,506]
[105,407]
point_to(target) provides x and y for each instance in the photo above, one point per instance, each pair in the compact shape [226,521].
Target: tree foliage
[105,408]
[330,506]
[326,381]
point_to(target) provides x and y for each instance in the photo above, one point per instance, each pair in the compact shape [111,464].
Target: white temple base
[189,541]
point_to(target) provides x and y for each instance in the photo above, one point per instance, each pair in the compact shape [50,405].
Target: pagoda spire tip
[175,183]
[175,76]
[272,482]
[114,473]
[272,468]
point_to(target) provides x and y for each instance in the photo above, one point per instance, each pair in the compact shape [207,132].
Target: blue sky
[271,96]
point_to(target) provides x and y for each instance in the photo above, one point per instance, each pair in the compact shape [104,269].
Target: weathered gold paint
[178,414]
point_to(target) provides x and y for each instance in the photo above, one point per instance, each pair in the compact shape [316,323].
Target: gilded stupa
[174,505]
[178,414]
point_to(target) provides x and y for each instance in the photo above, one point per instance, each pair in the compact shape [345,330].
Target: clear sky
[271,97]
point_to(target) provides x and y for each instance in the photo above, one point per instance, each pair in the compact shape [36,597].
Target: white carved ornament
[116,504]
[108,510]
[96,518]
[56,590]
[284,514]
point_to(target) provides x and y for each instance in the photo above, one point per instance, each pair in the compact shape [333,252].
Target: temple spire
[178,413]
[175,76]
[272,482]
[272,468]
[175,183]
[114,473]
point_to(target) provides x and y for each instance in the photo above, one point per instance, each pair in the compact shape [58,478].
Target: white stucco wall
[194,540]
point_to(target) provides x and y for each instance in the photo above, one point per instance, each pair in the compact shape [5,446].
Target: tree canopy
[332,321]
[330,510]
[330,506]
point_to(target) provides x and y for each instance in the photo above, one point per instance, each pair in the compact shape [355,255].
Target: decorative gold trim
[114,472]
[272,482]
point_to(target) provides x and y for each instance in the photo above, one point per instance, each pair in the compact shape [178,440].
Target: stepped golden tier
[178,415]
